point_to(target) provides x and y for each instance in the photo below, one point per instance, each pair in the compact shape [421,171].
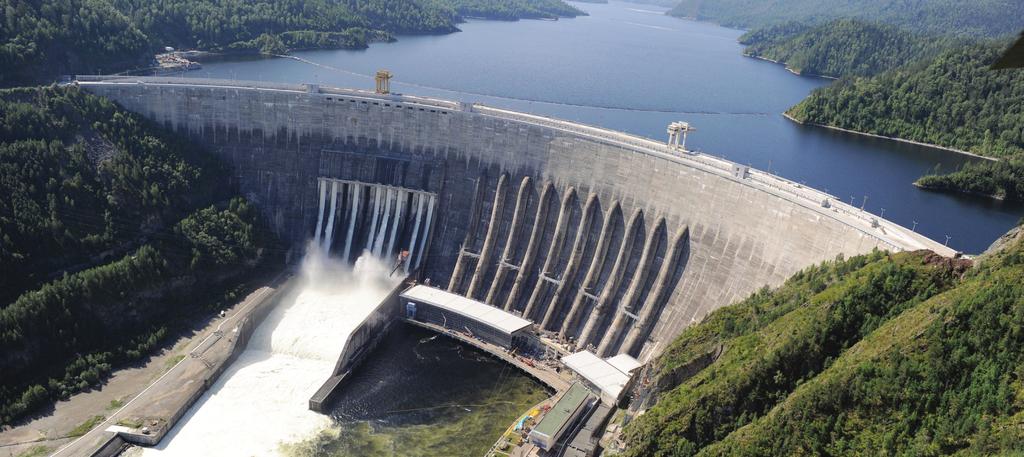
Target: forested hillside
[114,233]
[883,354]
[953,100]
[843,47]
[940,17]
[41,40]
[933,89]
[512,9]
[1003,180]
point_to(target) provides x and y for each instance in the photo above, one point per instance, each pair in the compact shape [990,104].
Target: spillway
[261,399]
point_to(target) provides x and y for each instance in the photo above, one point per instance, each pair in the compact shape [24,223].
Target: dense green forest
[932,89]
[843,47]
[882,354]
[113,232]
[512,9]
[1003,180]
[939,17]
[953,100]
[42,40]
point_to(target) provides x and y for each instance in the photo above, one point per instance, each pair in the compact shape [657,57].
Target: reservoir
[629,67]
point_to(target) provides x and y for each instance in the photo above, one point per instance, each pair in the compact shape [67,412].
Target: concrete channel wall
[165,401]
[216,364]
[610,236]
[360,343]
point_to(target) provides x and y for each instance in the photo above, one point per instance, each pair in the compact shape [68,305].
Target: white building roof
[482,312]
[624,363]
[602,373]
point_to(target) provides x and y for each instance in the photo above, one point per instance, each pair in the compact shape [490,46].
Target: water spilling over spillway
[261,400]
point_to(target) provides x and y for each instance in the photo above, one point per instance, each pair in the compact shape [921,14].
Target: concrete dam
[602,238]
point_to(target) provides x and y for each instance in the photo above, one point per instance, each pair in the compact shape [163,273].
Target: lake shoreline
[893,138]
[788,68]
[960,191]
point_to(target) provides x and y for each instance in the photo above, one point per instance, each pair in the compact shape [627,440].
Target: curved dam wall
[602,238]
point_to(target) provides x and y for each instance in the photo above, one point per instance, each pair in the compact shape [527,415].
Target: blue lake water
[629,67]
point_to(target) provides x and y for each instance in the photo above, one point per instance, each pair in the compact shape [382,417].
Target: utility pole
[865,202]
[914,228]
[883,213]
[947,240]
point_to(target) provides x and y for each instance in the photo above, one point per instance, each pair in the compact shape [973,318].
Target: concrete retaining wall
[360,343]
[747,229]
[212,353]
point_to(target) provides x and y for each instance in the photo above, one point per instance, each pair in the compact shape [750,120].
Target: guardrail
[254,85]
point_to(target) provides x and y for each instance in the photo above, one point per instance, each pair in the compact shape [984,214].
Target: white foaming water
[261,400]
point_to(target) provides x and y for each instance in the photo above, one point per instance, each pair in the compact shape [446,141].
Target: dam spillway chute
[261,399]
[396,220]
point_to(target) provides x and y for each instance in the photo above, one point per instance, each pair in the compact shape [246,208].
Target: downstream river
[420,394]
[629,67]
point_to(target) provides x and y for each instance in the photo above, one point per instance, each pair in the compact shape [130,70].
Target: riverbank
[82,413]
[155,393]
[419,393]
[892,138]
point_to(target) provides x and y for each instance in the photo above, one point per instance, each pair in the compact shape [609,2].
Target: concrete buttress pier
[597,235]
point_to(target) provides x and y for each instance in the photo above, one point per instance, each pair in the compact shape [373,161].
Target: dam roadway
[605,239]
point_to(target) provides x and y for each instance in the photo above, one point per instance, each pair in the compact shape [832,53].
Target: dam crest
[601,238]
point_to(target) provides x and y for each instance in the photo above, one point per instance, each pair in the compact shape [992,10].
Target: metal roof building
[557,420]
[609,376]
[459,313]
